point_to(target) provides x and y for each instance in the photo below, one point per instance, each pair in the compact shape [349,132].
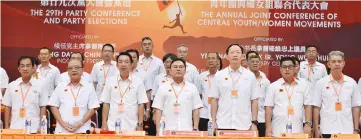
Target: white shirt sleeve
[93,99]
[155,85]
[56,76]
[44,96]
[255,94]
[214,92]
[105,95]
[359,85]
[356,96]
[142,94]
[94,73]
[317,94]
[307,98]
[270,96]
[7,101]
[197,102]
[324,70]
[4,79]
[54,99]
[158,101]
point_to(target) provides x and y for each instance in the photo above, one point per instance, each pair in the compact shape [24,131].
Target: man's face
[254,64]
[76,56]
[311,53]
[75,69]
[107,53]
[147,46]
[212,60]
[235,54]
[135,59]
[44,55]
[26,68]
[336,63]
[182,52]
[218,64]
[287,69]
[167,63]
[177,69]
[124,63]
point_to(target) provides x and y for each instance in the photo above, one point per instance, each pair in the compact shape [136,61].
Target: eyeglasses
[74,68]
[288,67]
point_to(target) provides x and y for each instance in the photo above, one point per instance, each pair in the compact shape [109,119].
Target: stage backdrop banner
[274,28]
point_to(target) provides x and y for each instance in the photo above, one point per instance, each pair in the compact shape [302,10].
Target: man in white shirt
[207,79]
[101,71]
[177,101]
[286,100]
[163,77]
[64,77]
[4,81]
[25,98]
[192,74]
[73,102]
[124,97]
[234,95]
[311,69]
[254,64]
[46,69]
[153,66]
[336,100]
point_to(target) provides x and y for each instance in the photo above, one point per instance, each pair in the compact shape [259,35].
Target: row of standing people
[233,98]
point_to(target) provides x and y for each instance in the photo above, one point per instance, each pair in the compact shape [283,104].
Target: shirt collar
[20,80]
[113,63]
[282,81]
[151,57]
[81,82]
[240,69]
[120,79]
[343,79]
[316,63]
[174,83]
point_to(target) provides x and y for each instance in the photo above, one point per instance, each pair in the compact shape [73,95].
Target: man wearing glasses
[73,102]
[64,77]
[286,99]
[101,72]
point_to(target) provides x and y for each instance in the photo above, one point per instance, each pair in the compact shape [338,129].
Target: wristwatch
[255,122]
[140,124]
[357,130]
[309,123]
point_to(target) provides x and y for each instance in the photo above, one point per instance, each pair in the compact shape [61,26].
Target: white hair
[336,53]
[182,45]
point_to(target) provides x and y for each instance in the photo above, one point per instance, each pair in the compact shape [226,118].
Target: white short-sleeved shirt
[324,96]
[4,78]
[134,96]
[101,72]
[64,77]
[63,99]
[160,79]
[50,74]
[206,83]
[277,97]
[315,72]
[36,97]
[152,66]
[188,100]
[262,86]
[234,113]
[192,75]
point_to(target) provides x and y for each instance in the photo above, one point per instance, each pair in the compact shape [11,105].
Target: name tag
[121,107]
[338,106]
[176,107]
[75,111]
[22,112]
[291,111]
[234,93]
